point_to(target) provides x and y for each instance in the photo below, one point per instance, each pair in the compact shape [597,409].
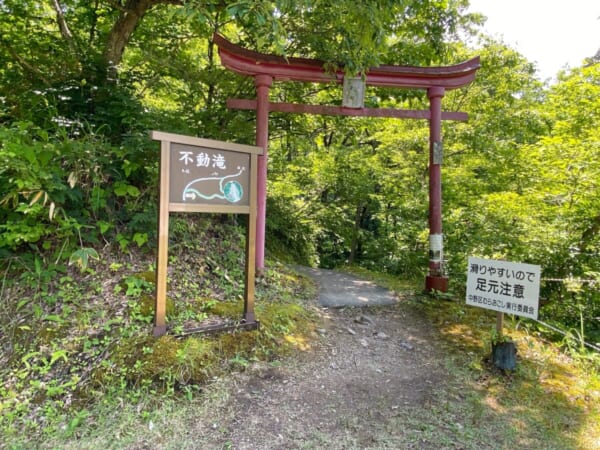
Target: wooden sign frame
[233,201]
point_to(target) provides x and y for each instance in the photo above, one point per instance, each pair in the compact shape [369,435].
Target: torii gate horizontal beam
[248,62]
[297,108]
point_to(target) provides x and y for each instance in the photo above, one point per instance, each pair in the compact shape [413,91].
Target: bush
[59,192]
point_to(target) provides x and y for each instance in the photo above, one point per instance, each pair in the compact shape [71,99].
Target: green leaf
[22,303]
[59,354]
[122,189]
[104,226]
[53,318]
[81,257]
[140,238]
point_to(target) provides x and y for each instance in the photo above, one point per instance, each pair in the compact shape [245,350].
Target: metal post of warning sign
[203,175]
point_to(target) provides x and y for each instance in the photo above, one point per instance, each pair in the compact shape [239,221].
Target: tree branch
[24,64]
[62,24]
[117,5]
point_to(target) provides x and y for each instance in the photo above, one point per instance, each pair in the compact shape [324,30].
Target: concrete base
[248,317]
[504,355]
[436,284]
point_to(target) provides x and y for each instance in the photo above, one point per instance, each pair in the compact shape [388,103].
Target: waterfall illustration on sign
[231,190]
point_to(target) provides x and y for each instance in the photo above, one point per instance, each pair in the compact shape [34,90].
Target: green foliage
[520,183]
[59,193]
[119,94]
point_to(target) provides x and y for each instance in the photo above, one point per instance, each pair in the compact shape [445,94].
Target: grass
[83,371]
[550,401]
[78,344]
[144,384]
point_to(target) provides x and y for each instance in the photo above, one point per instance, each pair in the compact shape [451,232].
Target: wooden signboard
[203,175]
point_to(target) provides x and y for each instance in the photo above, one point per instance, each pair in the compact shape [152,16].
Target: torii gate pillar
[262,83]
[436,279]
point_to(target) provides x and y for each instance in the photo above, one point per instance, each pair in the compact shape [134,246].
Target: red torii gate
[436,80]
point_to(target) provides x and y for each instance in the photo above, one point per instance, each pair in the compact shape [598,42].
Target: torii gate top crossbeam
[248,62]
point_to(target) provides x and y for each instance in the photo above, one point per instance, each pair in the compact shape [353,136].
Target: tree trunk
[356,234]
[589,233]
[121,32]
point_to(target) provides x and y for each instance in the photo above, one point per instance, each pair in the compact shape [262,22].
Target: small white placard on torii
[503,286]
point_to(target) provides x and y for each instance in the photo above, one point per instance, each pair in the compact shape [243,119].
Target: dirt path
[373,368]
[337,289]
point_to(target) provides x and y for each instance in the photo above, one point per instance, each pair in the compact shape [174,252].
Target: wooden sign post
[203,175]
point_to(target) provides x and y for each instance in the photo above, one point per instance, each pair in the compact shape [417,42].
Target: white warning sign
[503,286]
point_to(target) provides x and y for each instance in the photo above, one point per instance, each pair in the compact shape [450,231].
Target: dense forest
[83,82]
